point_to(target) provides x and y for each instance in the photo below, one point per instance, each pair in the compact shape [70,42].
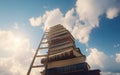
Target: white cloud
[118,57]
[10,66]
[15,53]
[112,13]
[69,19]
[81,20]
[51,18]
[35,21]
[88,12]
[11,41]
[96,58]
[99,60]
[88,19]
[81,33]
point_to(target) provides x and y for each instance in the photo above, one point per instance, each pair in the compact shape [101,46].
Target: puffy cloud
[82,19]
[112,13]
[51,18]
[118,57]
[12,68]
[98,59]
[88,19]
[15,53]
[11,41]
[35,21]
[69,19]
[81,33]
[91,10]
[88,12]
[4,70]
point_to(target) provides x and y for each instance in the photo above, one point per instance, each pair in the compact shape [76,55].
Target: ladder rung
[44,38]
[43,48]
[46,32]
[36,66]
[41,55]
[44,42]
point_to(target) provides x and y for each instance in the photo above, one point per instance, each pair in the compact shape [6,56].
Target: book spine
[70,68]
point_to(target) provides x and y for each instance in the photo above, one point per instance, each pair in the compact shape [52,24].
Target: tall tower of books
[63,56]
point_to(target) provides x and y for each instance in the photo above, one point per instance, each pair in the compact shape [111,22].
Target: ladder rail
[29,70]
[46,65]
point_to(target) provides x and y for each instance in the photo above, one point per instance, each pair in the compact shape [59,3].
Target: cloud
[4,70]
[87,12]
[112,13]
[81,33]
[35,21]
[118,57]
[11,68]
[69,21]
[98,59]
[15,53]
[51,18]
[80,20]
[88,19]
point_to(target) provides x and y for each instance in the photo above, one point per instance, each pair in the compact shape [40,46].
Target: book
[58,34]
[62,47]
[62,56]
[64,38]
[66,69]
[67,62]
[52,52]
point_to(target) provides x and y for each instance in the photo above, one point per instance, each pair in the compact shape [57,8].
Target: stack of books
[63,57]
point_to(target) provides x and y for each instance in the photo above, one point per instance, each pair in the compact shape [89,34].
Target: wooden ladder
[42,42]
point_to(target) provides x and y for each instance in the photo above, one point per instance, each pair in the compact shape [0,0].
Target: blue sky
[94,24]
[107,35]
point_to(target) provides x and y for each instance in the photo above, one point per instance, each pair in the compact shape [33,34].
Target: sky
[95,24]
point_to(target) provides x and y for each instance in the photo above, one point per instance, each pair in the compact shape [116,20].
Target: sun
[17,39]
[17,42]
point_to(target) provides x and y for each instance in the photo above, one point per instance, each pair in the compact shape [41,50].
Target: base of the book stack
[75,69]
[90,72]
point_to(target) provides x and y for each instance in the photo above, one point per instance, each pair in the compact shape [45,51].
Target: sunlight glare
[17,40]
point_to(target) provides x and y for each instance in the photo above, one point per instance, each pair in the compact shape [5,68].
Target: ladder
[43,41]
